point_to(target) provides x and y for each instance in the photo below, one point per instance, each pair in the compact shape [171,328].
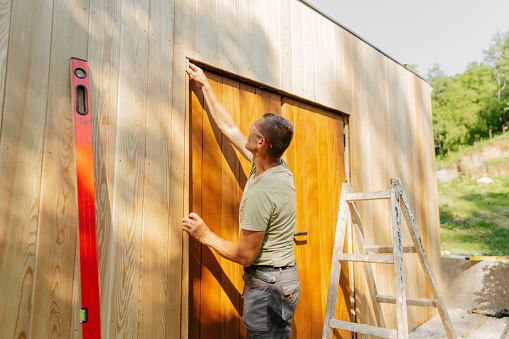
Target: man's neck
[264,163]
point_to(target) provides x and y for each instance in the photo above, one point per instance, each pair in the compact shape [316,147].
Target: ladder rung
[388,249]
[380,259]
[369,196]
[362,328]
[410,301]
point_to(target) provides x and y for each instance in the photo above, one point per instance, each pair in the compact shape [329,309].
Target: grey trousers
[269,307]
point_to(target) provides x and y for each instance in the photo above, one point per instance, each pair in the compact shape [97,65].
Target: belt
[266,268]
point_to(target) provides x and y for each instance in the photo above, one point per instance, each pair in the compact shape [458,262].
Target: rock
[484,181]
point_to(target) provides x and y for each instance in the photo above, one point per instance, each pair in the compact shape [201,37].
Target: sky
[450,33]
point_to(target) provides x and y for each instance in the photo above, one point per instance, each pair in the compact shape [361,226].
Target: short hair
[279,133]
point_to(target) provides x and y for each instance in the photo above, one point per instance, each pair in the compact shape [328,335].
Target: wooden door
[316,158]
[219,175]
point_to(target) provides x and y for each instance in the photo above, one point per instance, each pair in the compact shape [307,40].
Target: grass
[495,161]
[474,219]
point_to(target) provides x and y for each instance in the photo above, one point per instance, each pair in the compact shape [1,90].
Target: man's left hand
[195,226]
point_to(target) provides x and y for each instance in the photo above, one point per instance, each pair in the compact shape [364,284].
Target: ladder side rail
[339,240]
[399,271]
[368,270]
[425,262]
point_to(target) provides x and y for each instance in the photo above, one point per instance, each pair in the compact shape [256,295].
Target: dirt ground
[463,321]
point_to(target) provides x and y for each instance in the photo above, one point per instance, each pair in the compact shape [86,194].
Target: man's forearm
[227,249]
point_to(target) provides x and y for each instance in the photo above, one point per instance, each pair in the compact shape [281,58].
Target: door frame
[187,175]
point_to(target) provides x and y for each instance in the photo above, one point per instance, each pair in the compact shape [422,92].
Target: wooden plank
[334,72]
[196,127]
[286,45]
[409,301]
[309,163]
[242,57]
[325,185]
[309,46]
[298,61]
[380,259]
[322,75]
[206,31]
[231,196]
[365,329]
[104,56]
[155,231]
[56,240]
[386,194]
[399,272]
[21,154]
[259,51]
[129,171]
[225,49]
[388,249]
[347,58]
[273,43]
[303,250]
[339,240]
[184,45]
[210,318]
[467,333]
[5,21]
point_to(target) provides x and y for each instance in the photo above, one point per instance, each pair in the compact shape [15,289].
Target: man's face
[254,136]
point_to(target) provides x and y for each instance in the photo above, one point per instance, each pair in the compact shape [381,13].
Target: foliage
[474,218]
[467,106]
[450,158]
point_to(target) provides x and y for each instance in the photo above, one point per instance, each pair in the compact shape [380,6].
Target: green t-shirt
[268,204]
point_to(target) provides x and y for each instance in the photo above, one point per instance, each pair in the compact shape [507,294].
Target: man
[266,217]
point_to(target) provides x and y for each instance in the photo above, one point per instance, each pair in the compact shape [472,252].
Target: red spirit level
[90,310]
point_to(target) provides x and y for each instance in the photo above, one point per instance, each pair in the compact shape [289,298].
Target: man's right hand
[197,76]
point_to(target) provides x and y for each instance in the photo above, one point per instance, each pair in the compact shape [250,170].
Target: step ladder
[383,255]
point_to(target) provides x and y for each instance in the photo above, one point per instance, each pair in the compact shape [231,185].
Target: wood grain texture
[56,240]
[105,26]
[274,45]
[298,60]
[155,232]
[206,30]
[210,316]
[138,93]
[196,125]
[285,40]
[5,21]
[129,171]
[21,155]
[322,75]
[259,48]
[310,51]
[226,35]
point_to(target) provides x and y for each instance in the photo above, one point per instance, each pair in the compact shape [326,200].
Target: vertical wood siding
[137,52]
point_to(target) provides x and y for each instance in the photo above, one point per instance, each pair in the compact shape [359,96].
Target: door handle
[298,234]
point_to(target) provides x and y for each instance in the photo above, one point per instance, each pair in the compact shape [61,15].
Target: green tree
[461,105]
[497,57]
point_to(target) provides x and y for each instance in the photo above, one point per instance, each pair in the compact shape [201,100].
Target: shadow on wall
[494,293]
[475,284]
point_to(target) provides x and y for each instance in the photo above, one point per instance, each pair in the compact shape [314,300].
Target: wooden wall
[137,51]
